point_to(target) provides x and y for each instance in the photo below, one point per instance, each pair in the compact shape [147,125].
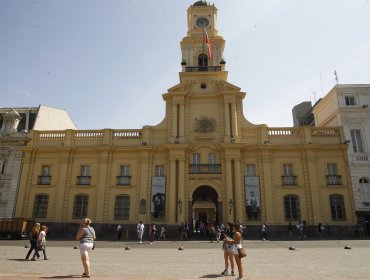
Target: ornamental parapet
[302,135]
[124,137]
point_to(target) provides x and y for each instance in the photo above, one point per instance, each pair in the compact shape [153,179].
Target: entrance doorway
[205,205]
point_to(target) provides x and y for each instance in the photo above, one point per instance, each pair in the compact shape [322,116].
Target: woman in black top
[34,234]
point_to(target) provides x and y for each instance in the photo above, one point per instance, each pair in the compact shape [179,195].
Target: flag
[206,38]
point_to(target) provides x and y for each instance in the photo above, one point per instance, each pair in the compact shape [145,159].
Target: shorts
[236,247]
[230,248]
[85,248]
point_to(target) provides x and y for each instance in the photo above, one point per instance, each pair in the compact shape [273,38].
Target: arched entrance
[205,205]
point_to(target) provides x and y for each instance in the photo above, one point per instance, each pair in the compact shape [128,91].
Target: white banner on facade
[158,198]
[252,197]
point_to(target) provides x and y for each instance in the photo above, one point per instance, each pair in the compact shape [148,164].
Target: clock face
[202,22]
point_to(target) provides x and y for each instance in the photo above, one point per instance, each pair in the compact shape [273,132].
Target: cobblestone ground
[266,260]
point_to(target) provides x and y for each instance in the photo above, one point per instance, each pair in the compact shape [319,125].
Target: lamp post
[231,205]
[179,204]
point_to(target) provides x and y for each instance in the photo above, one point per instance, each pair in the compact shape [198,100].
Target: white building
[15,124]
[348,106]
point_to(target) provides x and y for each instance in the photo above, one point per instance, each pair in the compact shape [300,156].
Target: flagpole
[203,45]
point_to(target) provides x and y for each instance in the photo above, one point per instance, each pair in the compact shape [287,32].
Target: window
[337,207]
[357,144]
[80,205]
[84,178]
[291,207]
[122,207]
[288,178]
[2,166]
[333,178]
[40,206]
[350,100]
[365,187]
[124,179]
[212,163]
[250,170]
[45,177]
[159,170]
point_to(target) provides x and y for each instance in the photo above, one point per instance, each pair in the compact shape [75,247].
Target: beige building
[348,106]
[15,124]
[203,161]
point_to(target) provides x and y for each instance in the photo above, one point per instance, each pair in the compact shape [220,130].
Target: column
[172,204]
[229,191]
[181,192]
[227,121]
[239,205]
[174,120]
[234,131]
[181,121]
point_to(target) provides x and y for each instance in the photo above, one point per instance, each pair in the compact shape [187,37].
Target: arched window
[338,211]
[122,207]
[202,62]
[40,205]
[291,207]
[142,206]
[80,205]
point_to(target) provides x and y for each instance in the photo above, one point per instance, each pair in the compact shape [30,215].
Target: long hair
[35,228]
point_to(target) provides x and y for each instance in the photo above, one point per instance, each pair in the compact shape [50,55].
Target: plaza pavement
[266,260]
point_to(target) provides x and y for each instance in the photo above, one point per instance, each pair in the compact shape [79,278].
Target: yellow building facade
[204,161]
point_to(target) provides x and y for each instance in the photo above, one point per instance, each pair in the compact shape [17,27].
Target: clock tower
[202,48]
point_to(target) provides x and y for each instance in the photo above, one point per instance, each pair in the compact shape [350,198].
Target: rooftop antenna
[322,87]
[336,76]
[314,95]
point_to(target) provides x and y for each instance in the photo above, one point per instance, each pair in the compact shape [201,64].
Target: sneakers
[232,273]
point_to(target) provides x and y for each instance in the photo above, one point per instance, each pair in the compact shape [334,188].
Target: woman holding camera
[86,236]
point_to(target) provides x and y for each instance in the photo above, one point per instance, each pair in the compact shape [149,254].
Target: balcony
[204,168]
[123,180]
[366,204]
[203,69]
[333,180]
[83,180]
[44,180]
[289,180]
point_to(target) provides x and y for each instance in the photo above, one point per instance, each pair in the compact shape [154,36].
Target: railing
[83,180]
[333,179]
[294,132]
[204,168]
[52,136]
[360,158]
[123,180]
[289,180]
[203,69]
[128,134]
[88,135]
[44,180]
[325,132]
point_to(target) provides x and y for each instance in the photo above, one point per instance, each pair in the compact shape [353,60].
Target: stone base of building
[67,231]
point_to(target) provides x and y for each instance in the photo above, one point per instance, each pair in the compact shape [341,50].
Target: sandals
[85,275]
[224,272]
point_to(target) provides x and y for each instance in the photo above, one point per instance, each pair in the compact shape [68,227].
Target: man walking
[140,231]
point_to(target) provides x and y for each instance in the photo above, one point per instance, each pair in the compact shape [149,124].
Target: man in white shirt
[140,231]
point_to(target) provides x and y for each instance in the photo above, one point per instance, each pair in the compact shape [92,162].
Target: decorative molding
[205,124]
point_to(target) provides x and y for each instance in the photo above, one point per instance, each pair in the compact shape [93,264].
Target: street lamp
[179,204]
[231,204]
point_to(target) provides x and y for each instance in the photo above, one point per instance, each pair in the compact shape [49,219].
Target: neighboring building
[302,114]
[15,124]
[348,106]
[203,161]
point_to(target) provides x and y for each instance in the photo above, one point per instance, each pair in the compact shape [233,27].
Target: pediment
[355,122]
[180,88]
[224,86]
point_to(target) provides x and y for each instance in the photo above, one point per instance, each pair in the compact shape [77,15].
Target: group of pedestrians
[152,233]
[231,246]
[38,242]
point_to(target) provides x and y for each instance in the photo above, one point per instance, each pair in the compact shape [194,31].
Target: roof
[202,3]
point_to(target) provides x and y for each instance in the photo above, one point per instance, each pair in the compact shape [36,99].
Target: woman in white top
[42,240]
[86,236]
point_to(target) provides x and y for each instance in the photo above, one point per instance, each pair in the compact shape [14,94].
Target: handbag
[241,252]
[93,247]
[40,245]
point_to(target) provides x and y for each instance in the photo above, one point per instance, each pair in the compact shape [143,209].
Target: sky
[108,62]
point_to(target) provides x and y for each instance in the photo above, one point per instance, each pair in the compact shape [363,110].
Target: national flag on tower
[206,38]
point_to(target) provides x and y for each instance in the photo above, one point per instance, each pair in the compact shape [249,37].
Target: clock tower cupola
[202,48]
